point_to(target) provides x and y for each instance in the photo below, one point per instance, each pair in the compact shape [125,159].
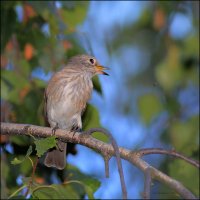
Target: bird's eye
[92,61]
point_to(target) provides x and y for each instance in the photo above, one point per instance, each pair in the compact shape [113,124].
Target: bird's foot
[54,129]
[76,129]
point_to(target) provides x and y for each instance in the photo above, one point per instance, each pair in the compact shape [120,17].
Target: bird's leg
[54,129]
[53,133]
[76,129]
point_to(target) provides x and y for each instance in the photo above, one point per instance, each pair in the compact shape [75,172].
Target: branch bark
[117,154]
[84,139]
[148,151]
[147,184]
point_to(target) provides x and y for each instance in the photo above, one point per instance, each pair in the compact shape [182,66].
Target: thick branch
[86,140]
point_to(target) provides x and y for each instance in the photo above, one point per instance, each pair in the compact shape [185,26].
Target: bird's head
[88,64]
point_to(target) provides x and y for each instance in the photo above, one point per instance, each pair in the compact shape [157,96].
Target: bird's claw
[54,129]
[76,129]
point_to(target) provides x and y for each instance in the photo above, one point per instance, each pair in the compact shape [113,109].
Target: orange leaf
[159,19]
[24,92]
[9,45]
[4,61]
[67,45]
[28,51]
[4,138]
[29,12]
[39,180]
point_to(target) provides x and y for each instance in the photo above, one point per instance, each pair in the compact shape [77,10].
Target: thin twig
[17,191]
[32,176]
[106,161]
[116,150]
[148,151]
[147,183]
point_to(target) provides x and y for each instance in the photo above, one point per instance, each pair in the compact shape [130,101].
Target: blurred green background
[151,98]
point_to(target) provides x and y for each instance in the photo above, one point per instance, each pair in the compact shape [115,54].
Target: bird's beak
[99,70]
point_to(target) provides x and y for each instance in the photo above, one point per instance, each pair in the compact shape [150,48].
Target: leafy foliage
[182,171]
[17,161]
[38,37]
[148,112]
[30,42]
[165,84]
[76,186]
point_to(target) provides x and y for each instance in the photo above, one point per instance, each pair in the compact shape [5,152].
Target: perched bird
[66,96]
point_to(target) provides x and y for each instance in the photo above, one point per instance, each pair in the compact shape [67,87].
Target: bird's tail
[57,157]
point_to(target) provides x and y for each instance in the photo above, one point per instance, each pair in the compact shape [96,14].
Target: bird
[65,99]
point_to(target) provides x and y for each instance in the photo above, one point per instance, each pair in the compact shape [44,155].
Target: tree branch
[148,151]
[87,140]
[117,154]
[147,183]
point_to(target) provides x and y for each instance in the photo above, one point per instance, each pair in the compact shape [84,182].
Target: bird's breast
[68,97]
[70,93]
[79,91]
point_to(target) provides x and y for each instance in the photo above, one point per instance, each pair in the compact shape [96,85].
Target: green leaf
[59,51]
[169,72]
[149,107]
[12,78]
[42,145]
[55,192]
[29,151]
[25,67]
[4,90]
[9,19]
[96,84]
[190,45]
[26,168]
[53,21]
[73,17]
[14,96]
[5,175]
[21,141]
[17,161]
[39,6]
[18,197]
[186,174]
[67,191]
[89,192]
[69,4]
[48,192]
[11,90]
[75,189]
[91,120]
[39,83]
[45,61]
[184,135]
[90,184]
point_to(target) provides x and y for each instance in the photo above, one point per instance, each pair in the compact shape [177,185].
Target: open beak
[99,69]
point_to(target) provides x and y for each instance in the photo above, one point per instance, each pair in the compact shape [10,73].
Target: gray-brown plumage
[66,96]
